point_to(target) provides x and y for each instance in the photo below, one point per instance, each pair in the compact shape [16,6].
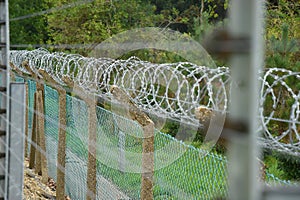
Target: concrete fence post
[38,132]
[41,136]
[148,141]
[92,148]
[61,150]
[38,163]
[148,162]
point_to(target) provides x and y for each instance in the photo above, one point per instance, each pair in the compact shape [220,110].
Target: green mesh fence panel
[77,148]
[19,79]
[194,175]
[31,91]
[51,129]
[118,140]
[275,181]
[191,176]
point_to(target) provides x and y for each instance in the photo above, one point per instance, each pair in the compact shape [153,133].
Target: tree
[282,35]
[94,22]
[31,30]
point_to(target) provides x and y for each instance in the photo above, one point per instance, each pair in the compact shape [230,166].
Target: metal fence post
[16,141]
[245,26]
[4,89]
[26,119]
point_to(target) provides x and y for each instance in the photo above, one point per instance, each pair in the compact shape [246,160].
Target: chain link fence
[195,174]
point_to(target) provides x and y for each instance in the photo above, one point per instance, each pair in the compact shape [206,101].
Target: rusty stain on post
[148,141]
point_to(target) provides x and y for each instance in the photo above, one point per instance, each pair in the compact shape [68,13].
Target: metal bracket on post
[222,43]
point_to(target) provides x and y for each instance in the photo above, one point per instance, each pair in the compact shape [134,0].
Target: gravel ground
[34,189]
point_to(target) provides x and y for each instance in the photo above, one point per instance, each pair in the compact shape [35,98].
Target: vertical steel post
[16,142]
[4,91]
[246,19]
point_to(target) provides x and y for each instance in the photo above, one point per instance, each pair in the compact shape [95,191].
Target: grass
[190,176]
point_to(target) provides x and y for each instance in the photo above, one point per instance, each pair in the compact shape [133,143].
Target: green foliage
[285,12]
[282,35]
[290,165]
[215,8]
[154,56]
[282,165]
[272,165]
[180,15]
[94,22]
[282,53]
[204,27]
[31,30]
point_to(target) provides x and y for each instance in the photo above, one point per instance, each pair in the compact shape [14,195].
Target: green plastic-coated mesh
[195,174]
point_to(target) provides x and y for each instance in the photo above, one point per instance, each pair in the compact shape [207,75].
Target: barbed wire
[172,89]
[175,90]
[280,109]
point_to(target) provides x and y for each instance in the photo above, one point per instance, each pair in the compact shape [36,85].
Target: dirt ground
[34,189]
